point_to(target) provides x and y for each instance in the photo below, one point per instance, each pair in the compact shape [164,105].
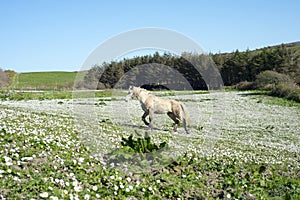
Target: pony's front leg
[176,121]
[146,113]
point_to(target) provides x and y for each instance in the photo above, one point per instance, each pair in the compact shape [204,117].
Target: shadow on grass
[146,128]
[254,93]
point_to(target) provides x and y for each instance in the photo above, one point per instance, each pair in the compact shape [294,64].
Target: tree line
[201,71]
[148,69]
[245,66]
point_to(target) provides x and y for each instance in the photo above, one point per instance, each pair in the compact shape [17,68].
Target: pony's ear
[130,87]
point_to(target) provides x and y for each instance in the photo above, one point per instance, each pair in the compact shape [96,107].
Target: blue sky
[47,35]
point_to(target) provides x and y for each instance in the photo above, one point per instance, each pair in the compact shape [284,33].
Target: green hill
[46,80]
[294,46]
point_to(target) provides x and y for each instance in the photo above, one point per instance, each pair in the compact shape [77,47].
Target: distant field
[46,80]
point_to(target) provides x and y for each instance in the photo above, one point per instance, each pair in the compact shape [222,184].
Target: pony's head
[135,92]
[131,93]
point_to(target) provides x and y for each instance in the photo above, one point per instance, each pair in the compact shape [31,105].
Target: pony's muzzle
[127,98]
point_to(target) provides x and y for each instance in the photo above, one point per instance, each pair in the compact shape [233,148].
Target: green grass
[43,95]
[51,94]
[283,102]
[46,80]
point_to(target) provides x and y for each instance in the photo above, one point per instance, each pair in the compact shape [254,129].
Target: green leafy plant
[142,145]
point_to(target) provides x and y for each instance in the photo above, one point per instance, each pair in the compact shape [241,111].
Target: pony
[152,104]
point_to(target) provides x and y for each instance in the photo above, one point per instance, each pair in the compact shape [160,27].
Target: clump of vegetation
[140,152]
[142,144]
[245,85]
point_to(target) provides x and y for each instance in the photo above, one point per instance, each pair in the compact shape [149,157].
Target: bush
[268,80]
[280,85]
[288,90]
[245,85]
[4,79]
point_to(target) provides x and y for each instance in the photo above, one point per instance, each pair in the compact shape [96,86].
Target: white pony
[152,104]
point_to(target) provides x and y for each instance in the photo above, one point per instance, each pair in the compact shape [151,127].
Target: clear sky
[47,35]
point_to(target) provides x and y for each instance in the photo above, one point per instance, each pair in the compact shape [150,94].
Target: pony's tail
[185,117]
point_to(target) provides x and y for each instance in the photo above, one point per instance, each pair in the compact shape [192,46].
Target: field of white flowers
[241,145]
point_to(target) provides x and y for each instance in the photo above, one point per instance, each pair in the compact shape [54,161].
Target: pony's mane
[139,90]
[143,89]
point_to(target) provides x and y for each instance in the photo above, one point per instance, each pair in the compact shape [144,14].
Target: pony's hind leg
[151,115]
[185,126]
[176,121]
[146,113]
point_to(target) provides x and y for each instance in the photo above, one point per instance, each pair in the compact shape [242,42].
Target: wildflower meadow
[242,145]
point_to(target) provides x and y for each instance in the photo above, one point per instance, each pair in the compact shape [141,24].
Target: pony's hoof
[146,123]
[150,127]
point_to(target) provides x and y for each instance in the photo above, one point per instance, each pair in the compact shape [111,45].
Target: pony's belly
[160,112]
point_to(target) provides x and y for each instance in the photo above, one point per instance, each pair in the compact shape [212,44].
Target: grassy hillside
[293,46]
[296,47]
[45,80]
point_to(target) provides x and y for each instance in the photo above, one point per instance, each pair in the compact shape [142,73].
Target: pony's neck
[143,95]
